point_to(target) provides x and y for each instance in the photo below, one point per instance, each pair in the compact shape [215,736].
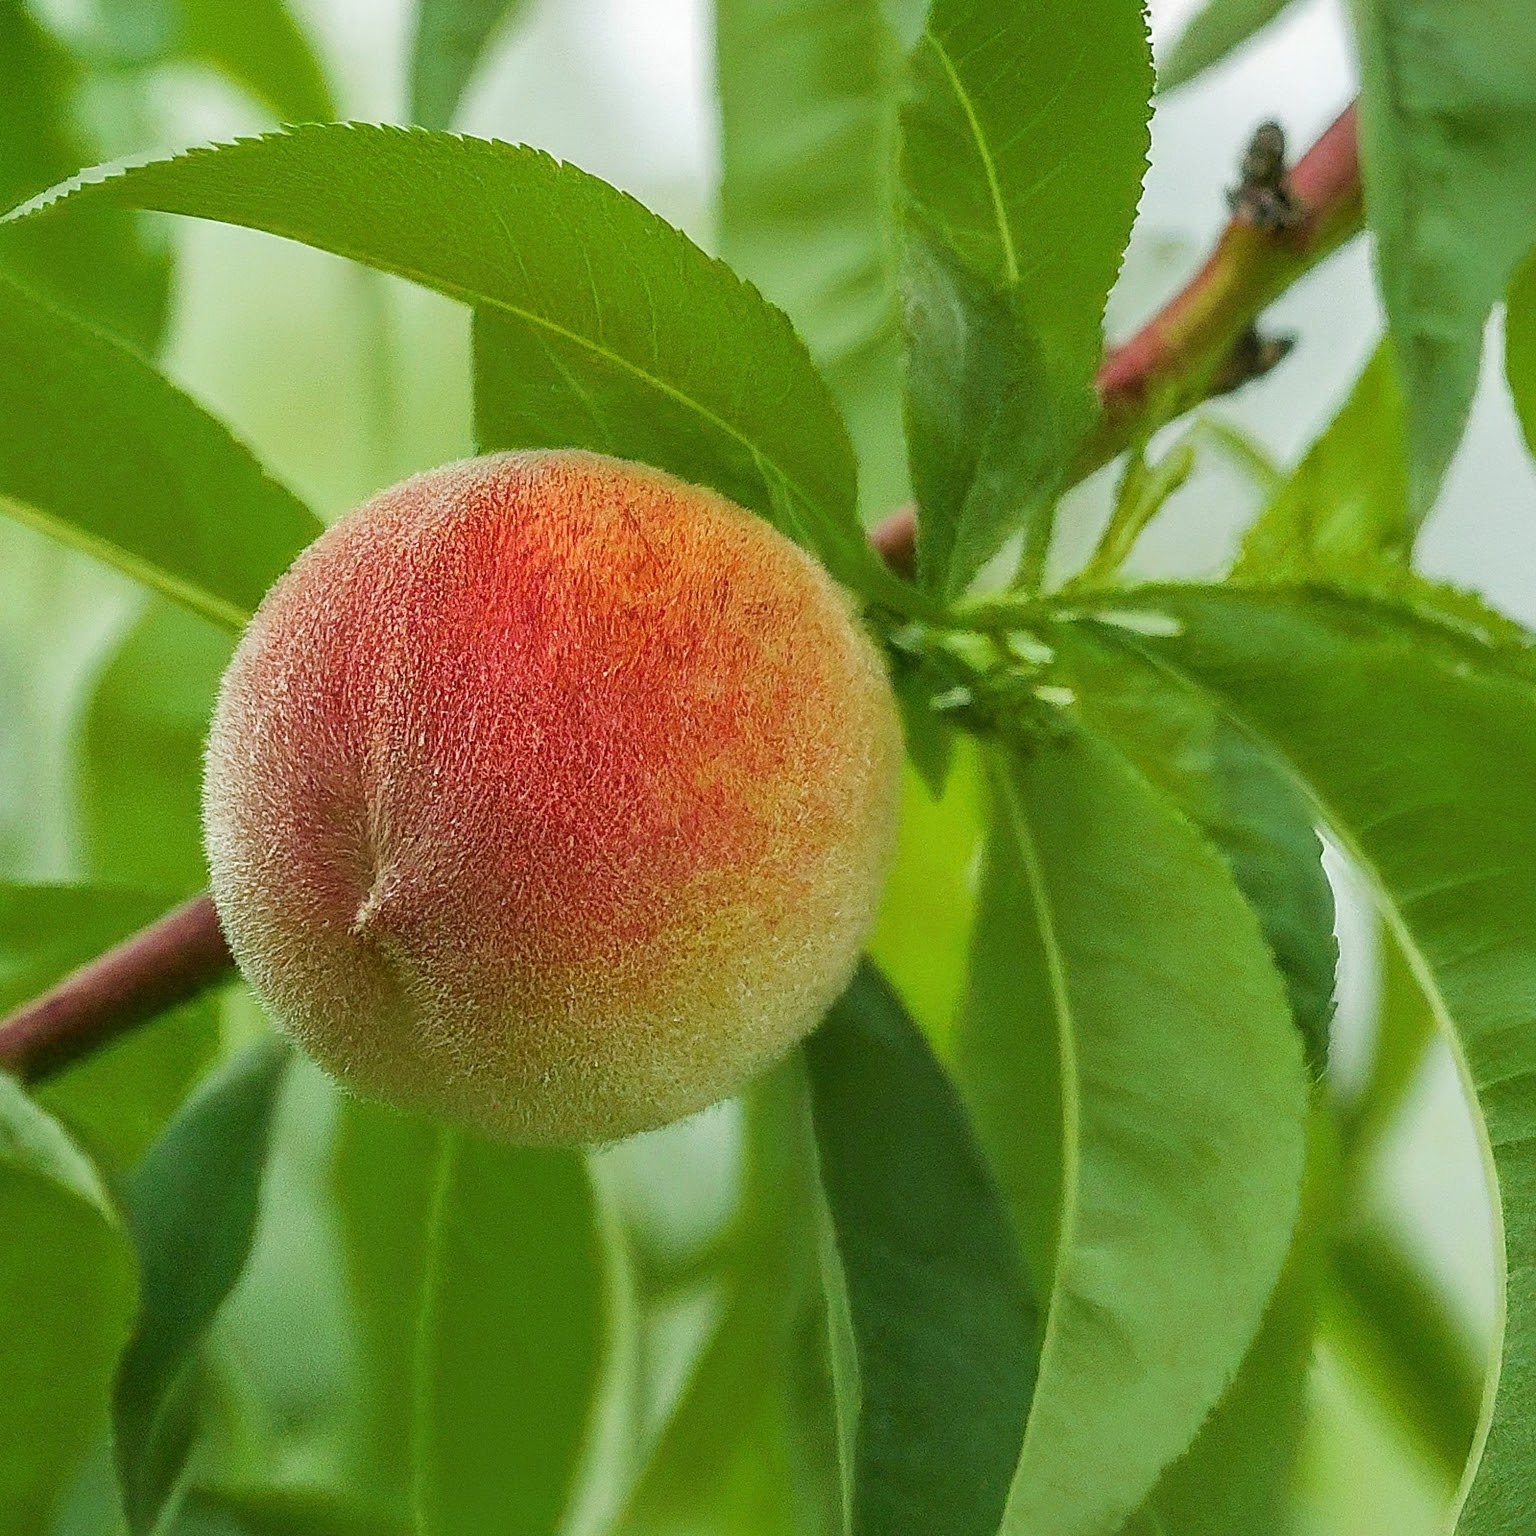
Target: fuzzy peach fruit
[552,795]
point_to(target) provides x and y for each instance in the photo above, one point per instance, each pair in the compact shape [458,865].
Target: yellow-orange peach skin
[550,794]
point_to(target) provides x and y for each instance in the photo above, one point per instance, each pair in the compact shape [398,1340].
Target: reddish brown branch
[169,962]
[1201,342]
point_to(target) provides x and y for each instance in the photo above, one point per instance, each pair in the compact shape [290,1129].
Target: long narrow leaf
[67,1290]
[484,1286]
[193,1206]
[1136,1078]
[808,96]
[450,38]
[1448,152]
[1413,742]
[100,451]
[943,1328]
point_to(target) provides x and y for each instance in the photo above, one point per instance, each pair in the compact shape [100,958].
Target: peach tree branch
[1201,343]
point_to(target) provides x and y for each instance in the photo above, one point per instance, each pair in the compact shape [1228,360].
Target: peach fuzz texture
[552,795]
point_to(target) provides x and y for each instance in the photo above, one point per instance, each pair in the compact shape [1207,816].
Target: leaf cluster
[1054,1245]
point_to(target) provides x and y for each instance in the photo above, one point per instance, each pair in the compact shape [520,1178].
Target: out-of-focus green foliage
[1448,145]
[101,452]
[104,269]
[257,44]
[192,1206]
[66,1295]
[808,96]
[1214,31]
[1021,1243]
[492,1314]
[451,36]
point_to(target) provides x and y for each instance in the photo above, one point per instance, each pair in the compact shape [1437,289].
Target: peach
[552,795]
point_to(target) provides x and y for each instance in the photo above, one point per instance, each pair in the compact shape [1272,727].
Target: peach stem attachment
[1192,348]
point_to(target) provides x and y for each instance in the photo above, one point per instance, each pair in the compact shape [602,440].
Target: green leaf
[745,1406]
[1414,741]
[1422,1362]
[942,1322]
[102,453]
[490,1318]
[67,1295]
[192,1205]
[1133,1072]
[119,1099]
[1345,510]
[102,270]
[450,38]
[1024,142]
[598,325]
[990,451]
[1218,28]
[256,44]
[1520,346]
[1243,803]
[1448,152]
[1240,1474]
[1403,1028]
[808,95]
[280,1512]
[139,753]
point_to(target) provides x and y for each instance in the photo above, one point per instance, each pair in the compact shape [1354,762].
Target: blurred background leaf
[1214,31]
[140,751]
[808,95]
[192,1207]
[104,270]
[755,1402]
[491,1315]
[450,37]
[256,44]
[1448,150]
[191,514]
[67,1289]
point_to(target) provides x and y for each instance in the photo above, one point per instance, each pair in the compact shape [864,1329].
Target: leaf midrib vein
[984,153]
[1071,1114]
